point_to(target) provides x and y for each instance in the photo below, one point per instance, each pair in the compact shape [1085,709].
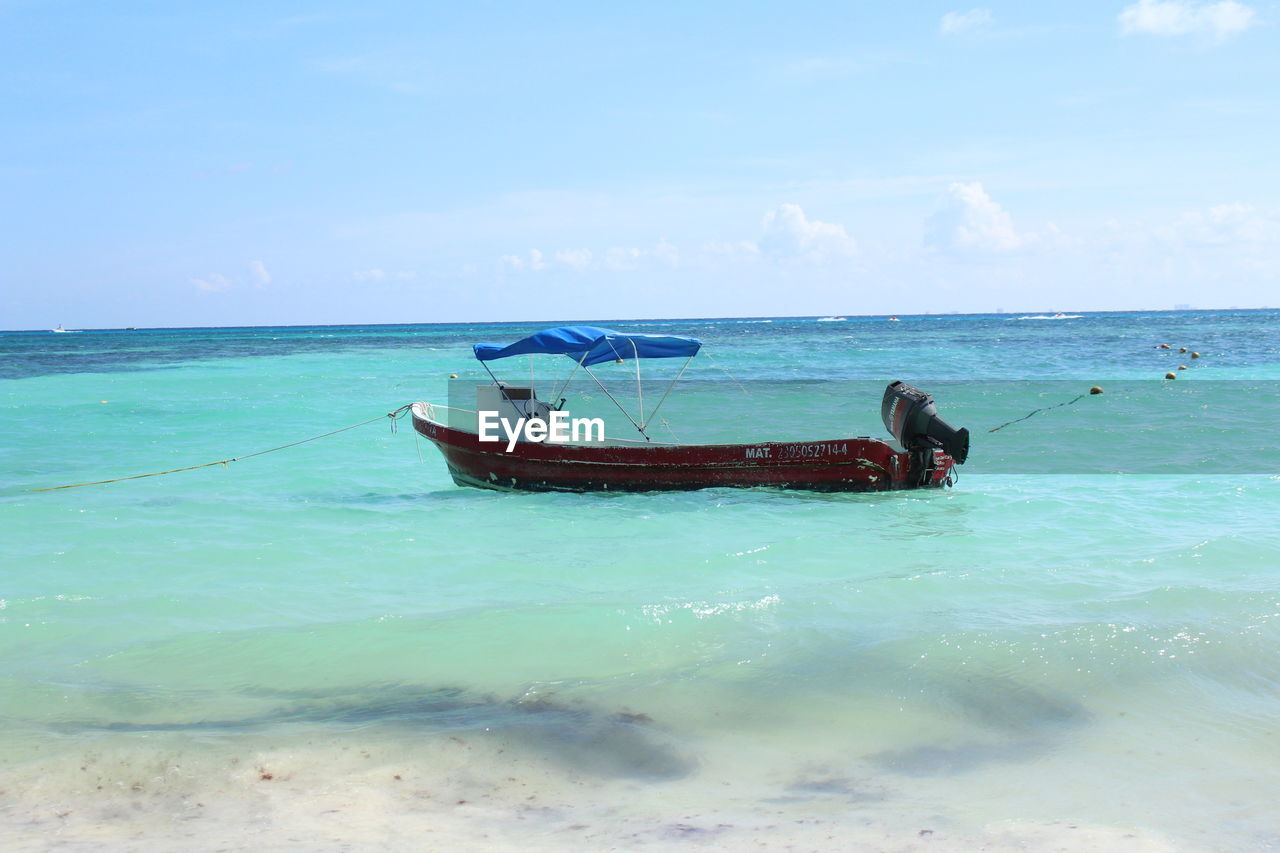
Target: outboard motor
[910,415]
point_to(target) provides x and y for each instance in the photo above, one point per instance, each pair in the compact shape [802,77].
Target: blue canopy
[590,345]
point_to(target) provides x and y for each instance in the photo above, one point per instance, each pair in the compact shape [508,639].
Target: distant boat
[894,320]
[62,330]
[832,319]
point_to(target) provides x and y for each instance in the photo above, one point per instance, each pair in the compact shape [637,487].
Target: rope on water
[726,372]
[394,416]
[1038,411]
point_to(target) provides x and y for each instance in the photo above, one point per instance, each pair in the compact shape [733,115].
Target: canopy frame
[590,354]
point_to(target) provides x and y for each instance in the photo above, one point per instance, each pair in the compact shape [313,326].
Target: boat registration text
[797,451]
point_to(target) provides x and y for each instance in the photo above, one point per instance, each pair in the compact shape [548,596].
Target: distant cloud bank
[787,236]
[584,260]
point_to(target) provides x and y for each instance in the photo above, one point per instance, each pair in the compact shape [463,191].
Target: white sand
[365,790]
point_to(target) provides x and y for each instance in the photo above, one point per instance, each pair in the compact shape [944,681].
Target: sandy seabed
[481,791]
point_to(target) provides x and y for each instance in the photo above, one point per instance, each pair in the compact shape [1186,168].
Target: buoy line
[394,416]
[1094,390]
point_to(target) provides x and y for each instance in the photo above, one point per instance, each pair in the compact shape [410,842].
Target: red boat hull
[842,465]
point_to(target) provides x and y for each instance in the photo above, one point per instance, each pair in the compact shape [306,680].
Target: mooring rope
[394,416]
[1038,411]
[726,372]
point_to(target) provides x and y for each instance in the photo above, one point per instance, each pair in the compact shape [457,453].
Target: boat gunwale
[635,444]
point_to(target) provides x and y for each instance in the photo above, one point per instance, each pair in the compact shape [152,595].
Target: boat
[60,330]
[512,439]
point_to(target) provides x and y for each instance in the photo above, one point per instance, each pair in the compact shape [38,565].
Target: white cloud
[742,250]
[1186,17]
[667,253]
[516,263]
[212,283]
[970,220]
[578,259]
[622,259]
[617,258]
[1226,225]
[259,271]
[631,257]
[790,235]
[379,274]
[974,20]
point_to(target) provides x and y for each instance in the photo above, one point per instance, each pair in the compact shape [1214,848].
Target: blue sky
[276,163]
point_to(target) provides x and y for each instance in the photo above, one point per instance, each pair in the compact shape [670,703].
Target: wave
[832,319]
[1049,317]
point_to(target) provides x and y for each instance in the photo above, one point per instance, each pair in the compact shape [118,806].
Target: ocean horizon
[334,647]
[1029,314]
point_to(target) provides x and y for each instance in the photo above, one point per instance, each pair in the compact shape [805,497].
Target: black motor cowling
[909,414]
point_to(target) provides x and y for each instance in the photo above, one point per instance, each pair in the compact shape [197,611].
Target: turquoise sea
[333,647]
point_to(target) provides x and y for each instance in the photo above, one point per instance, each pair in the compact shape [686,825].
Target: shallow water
[334,646]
